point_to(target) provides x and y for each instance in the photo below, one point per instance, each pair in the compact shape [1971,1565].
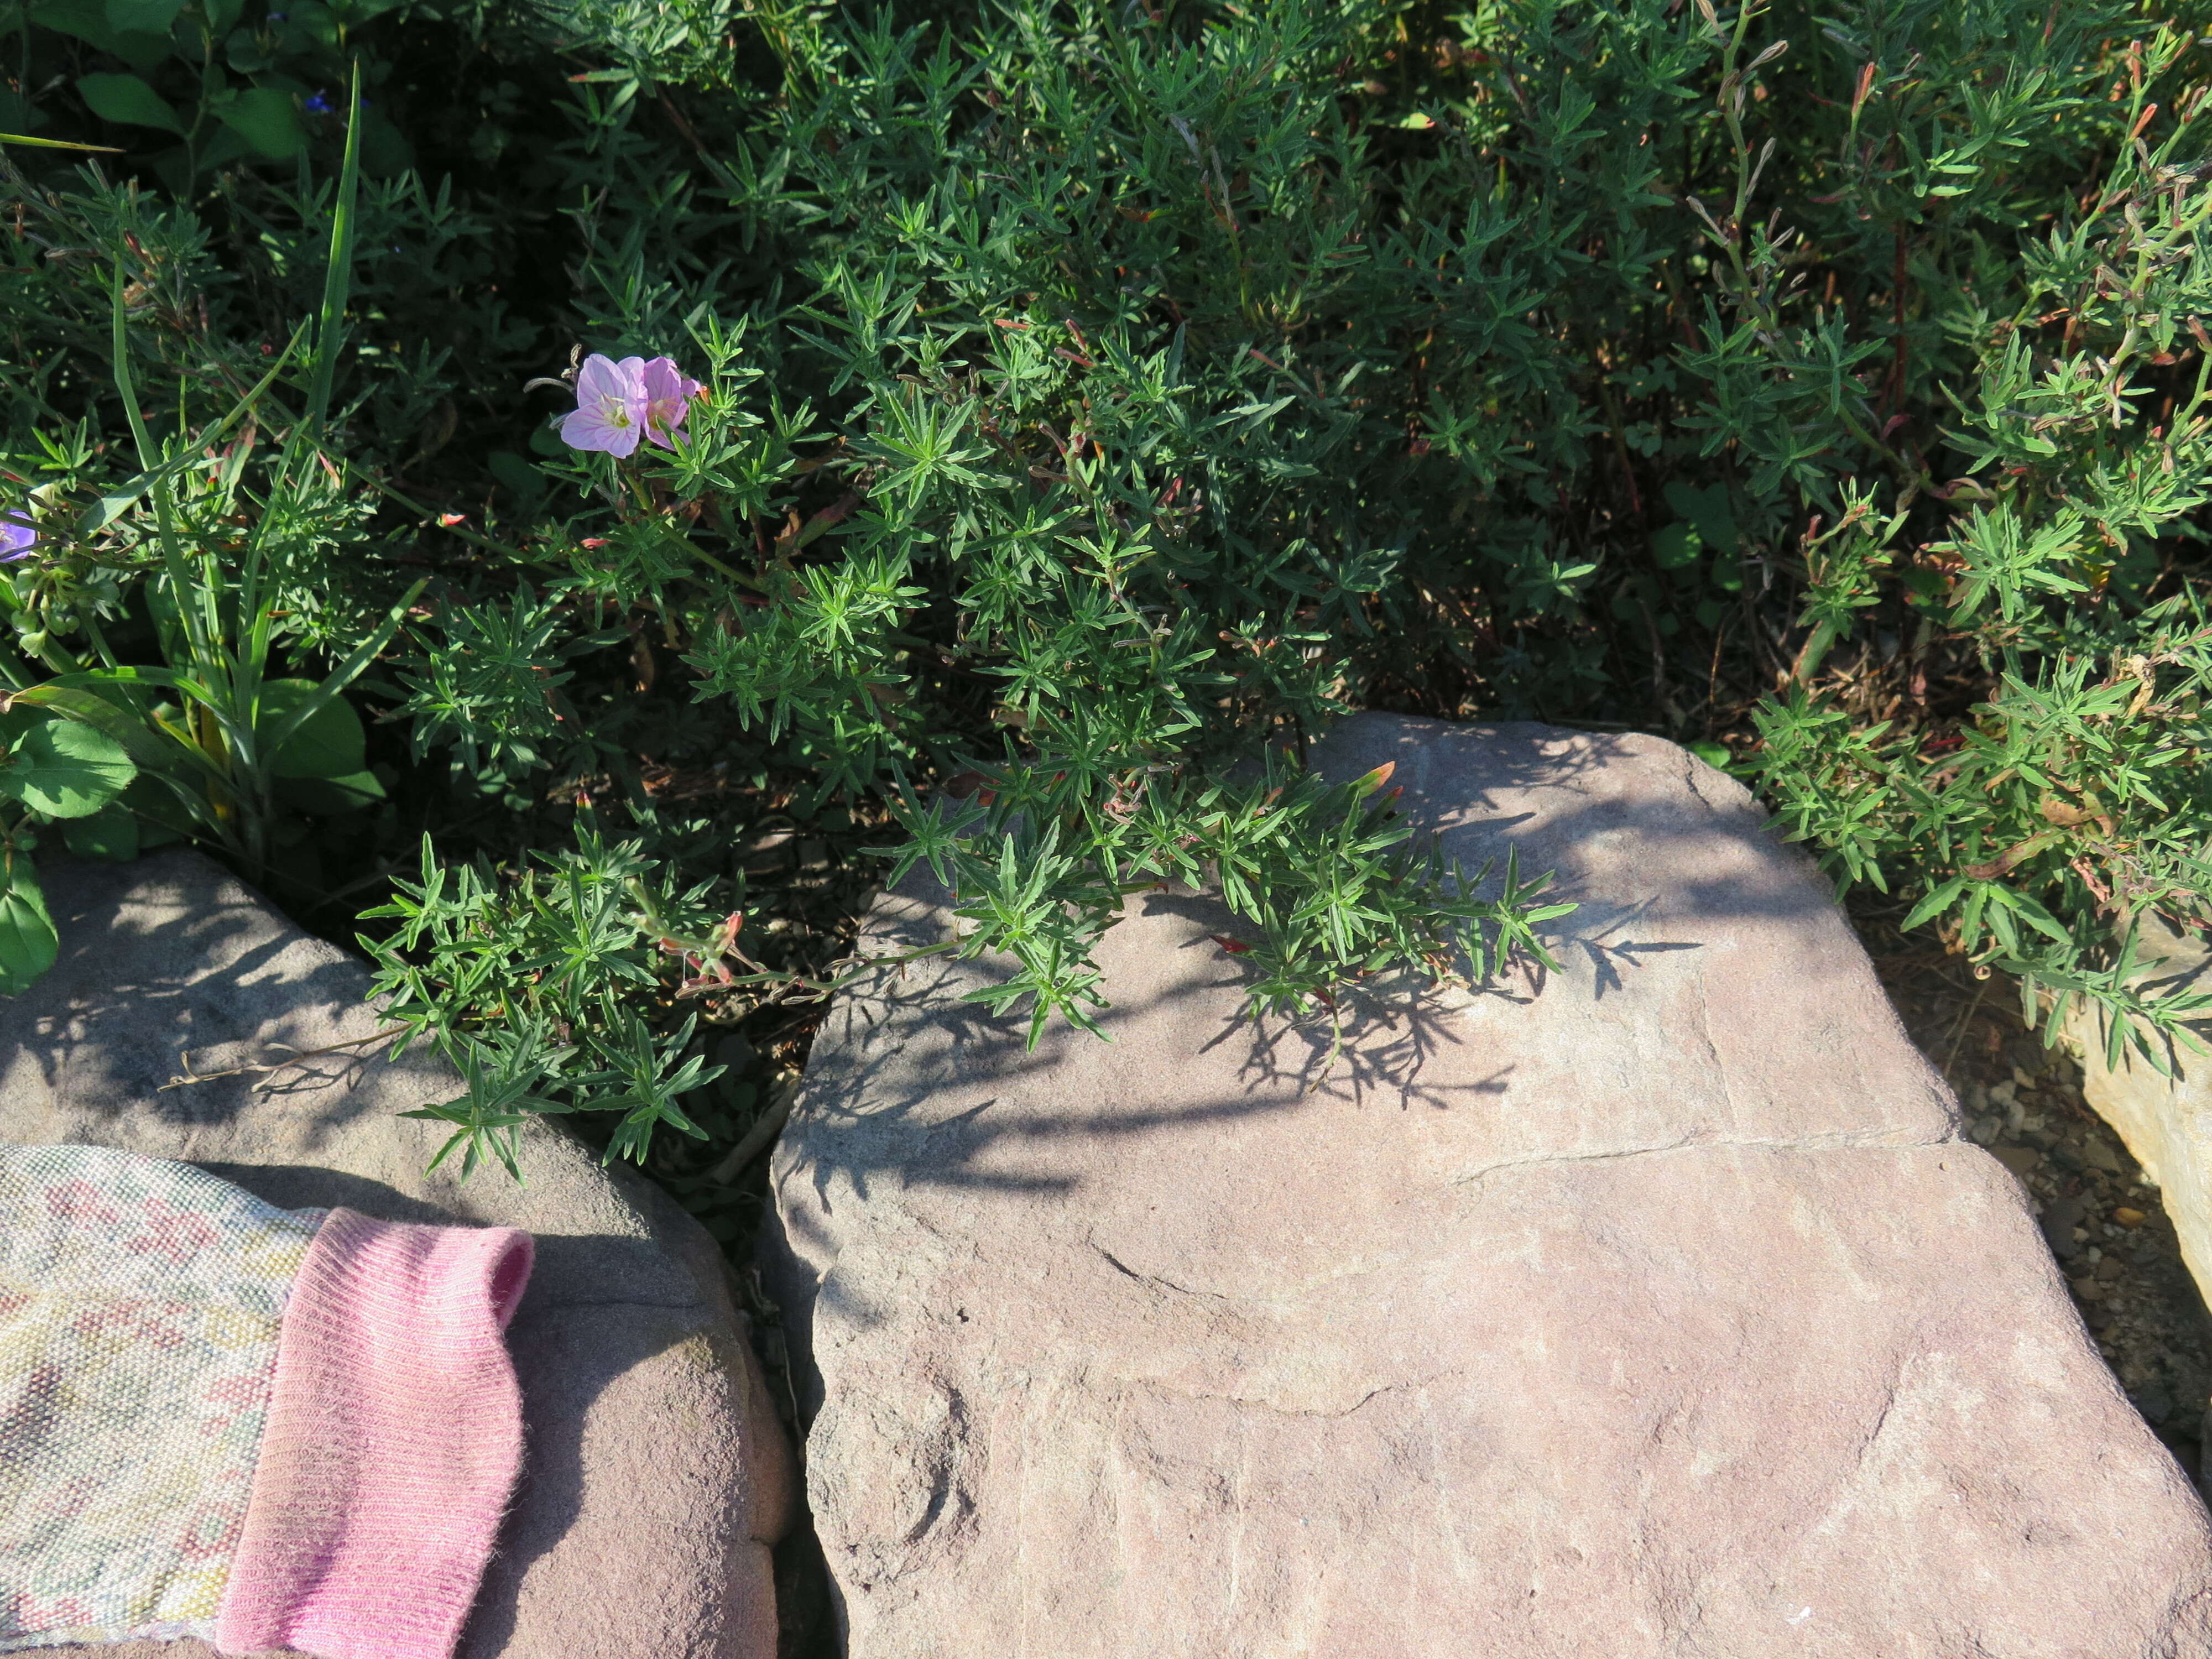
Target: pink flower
[668,395]
[610,406]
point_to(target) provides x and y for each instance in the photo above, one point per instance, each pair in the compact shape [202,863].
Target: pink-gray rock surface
[1656,1311]
[655,1474]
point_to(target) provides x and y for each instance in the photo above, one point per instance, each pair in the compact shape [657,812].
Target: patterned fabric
[140,1303]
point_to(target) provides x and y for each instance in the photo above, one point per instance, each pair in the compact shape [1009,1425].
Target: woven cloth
[262,1428]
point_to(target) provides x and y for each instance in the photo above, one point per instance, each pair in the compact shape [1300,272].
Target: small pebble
[2129,1217]
[2098,1154]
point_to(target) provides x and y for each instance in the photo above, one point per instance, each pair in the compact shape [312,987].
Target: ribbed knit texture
[393,1440]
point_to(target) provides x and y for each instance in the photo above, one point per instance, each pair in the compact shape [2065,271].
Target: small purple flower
[668,395]
[317,104]
[18,538]
[611,406]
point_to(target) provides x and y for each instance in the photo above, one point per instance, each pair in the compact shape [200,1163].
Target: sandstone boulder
[656,1474]
[1656,1309]
[2165,1118]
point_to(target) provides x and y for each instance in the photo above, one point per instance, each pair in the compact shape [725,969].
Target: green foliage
[488,689]
[1097,402]
[66,771]
[530,988]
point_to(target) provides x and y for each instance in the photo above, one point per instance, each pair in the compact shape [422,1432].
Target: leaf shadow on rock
[121,1040]
[1699,860]
[1670,863]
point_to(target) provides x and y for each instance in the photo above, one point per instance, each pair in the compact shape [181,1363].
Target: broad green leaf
[1675,545]
[110,834]
[66,770]
[28,943]
[142,16]
[162,818]
[127,99]
[267,120]
[329,744]
[88,21]
[85,19]
[106,702]
[328,797]
[1714,755]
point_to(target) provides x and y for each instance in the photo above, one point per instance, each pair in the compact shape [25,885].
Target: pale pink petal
[602,377]
[588,428]
[668,393]
[611,406]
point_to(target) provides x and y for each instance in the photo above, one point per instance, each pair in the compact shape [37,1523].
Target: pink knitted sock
[394,1438]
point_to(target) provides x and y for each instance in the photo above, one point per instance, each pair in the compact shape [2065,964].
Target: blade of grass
[151,460]
[56,143]
[111,506]
[345,673]
[337,276]
[149,457]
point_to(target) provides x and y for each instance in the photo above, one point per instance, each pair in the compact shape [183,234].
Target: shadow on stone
[655,1474]
[1649,1305]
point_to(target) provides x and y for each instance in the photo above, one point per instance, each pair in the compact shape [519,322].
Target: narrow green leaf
[56,143]
[338,275]
[1935,904]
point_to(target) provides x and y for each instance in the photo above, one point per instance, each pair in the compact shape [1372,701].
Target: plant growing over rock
[1060,412]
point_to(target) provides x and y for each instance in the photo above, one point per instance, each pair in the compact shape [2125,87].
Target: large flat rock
[655,1472]
[1656,1311]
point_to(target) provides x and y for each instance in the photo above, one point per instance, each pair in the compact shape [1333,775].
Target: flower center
[617,409]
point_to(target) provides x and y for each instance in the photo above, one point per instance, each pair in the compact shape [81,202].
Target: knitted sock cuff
[394,1438]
